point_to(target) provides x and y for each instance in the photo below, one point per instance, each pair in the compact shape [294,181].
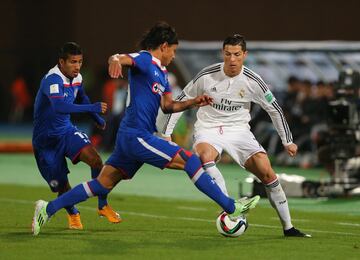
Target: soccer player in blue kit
[55,137]
[136,143]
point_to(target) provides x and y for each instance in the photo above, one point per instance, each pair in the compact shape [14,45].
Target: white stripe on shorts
[154,150]
[87,189]
[197,175]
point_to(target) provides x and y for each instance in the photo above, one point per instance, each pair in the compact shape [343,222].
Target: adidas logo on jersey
[213,89]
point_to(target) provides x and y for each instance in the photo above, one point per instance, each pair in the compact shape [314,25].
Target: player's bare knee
[206,157]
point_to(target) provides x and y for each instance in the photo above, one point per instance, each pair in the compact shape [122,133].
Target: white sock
[215,174]
[279,202]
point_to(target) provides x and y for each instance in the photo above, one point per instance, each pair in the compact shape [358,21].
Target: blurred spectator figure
[263,127]
[176,89]
[308,106]
[323,94]
[299,109]
[291,110]
[292,91]
[114,94]
[21,100]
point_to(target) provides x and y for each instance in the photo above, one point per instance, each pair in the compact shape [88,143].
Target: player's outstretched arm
[116,62]
[168,105]
[66,108]
[82,98]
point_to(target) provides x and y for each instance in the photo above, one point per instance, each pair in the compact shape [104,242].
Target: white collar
[65,79]
[158,63]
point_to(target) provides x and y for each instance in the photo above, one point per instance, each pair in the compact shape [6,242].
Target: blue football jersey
[148,81]
[54,85]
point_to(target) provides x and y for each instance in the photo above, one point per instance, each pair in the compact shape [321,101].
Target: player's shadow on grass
[25,233]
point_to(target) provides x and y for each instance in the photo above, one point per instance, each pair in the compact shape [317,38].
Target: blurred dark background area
[33,31]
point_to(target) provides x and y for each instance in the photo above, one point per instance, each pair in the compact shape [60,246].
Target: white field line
[293,219]
[191,208]
[186,218]
[348,224]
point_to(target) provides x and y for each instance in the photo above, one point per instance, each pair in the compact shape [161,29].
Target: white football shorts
[238,142]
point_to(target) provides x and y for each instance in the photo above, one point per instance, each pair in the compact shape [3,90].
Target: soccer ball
[229,228]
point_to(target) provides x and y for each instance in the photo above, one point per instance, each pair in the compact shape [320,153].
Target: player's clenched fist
[115,68]
[203,100]
[103,107]
[291,149]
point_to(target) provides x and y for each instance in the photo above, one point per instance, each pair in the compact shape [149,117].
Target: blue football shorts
[50,153]
[132,150]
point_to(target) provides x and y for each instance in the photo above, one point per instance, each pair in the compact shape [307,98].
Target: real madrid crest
[242,93]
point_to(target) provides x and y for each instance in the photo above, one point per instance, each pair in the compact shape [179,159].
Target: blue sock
[102,200]
[78,194]
[205,184]
[72,210]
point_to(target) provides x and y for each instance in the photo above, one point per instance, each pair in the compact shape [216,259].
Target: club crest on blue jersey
[54,183]
[157,88]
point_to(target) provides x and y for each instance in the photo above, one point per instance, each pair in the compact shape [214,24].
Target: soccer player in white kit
[224,125]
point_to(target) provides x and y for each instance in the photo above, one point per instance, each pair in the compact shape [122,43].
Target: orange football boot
[110,214]
[75,221]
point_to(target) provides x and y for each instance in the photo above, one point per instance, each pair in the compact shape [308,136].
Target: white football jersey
[232,98]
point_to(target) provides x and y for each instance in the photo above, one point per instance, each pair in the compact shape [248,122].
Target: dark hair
[160,33]
[235,39]
[293,79]
[69,48]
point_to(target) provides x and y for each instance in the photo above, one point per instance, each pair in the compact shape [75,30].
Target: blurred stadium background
[298,47]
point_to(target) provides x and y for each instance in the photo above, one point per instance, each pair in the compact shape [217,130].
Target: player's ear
[245,54]
[164,46]
[61,62]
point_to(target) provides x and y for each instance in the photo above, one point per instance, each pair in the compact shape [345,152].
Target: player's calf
[193,167]
[78,194]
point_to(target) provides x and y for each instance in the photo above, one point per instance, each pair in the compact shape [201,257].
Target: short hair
[293,80]
[69,48]
[160,33]
[235,39]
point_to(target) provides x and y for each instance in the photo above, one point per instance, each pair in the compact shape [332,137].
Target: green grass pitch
[165,217]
